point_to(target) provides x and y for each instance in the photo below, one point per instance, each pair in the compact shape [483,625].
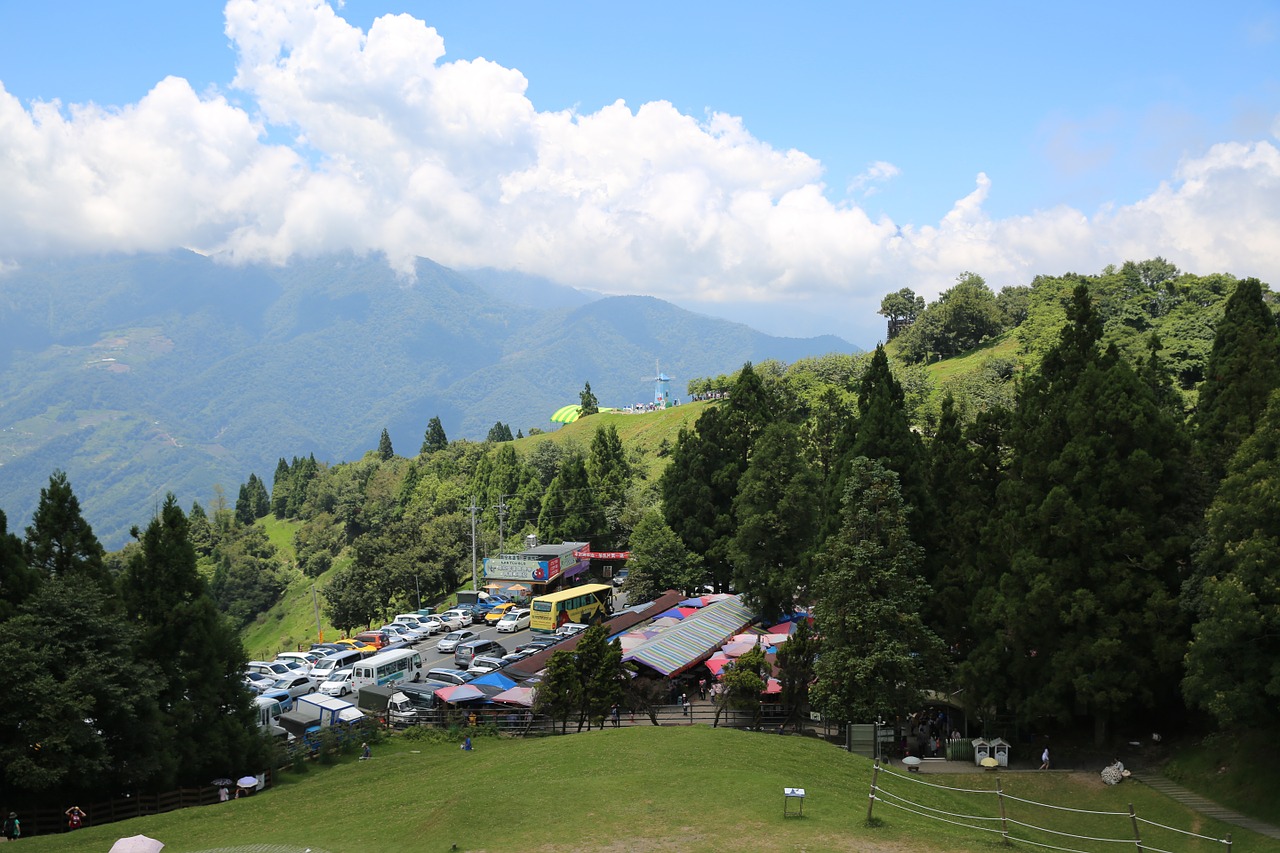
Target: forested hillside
[142,375]
[1085,536]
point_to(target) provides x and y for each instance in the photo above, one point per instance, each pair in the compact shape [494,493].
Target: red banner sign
[602,555]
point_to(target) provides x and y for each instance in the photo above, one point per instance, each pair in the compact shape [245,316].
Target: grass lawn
[1234,771]
[639,789]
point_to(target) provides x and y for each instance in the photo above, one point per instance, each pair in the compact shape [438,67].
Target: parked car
[481,664]
[297,685]
[450,620]
[450,676]
[404,632]
[537,644]
[351,643]
[464,616]
[496,614]
[619,578]
[326,649]
[257,682]
[568,629]
[278,695]
[432,624]
[307,659]
[466,652]
[338,683]
[377,639]
[514,620]
[274,669]
[412,620]
[453,638]
[517,656]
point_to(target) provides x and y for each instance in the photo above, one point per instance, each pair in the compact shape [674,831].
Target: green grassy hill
[645,789]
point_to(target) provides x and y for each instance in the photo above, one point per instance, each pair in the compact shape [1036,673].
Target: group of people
[12,829]
[926,730]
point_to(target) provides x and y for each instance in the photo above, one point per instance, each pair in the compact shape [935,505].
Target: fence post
[1004,823]
[1137,836]
[871,798]
[1228,842]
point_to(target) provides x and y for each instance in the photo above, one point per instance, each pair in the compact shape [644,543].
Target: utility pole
[316,604]
[475,577]
[502,514]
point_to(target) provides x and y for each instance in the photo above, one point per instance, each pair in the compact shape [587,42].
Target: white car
[274,669]
[404,632]
[296,685]
[486,663]
[339,683]
[450,620]
[463,616]
[513,620]
[306,659]
[432,624]
[453,638]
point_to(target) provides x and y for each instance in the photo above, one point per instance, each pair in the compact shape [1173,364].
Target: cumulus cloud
[396,149]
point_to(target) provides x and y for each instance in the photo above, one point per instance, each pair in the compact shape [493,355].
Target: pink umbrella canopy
[717,662]
[459,693]
[522,696]
[772,686]
[746,638]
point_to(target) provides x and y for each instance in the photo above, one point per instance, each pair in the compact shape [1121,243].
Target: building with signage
[539,569]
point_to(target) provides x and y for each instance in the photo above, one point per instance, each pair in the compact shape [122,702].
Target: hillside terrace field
[642,789]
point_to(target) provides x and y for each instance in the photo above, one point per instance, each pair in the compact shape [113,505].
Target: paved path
[1192,800]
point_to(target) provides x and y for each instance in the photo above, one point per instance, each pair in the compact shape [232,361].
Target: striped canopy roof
[682,646]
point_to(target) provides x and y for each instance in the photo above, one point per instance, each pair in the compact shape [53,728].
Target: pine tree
[877,654]
[244,505]
[777,520]
[588,404]
[281,489]
[1233,662]
[610,476]
[258,497]
[18,581]
[570,510]
[698,488]
[499,432]
[434,439]
[659,560]
[796,660]
[1094,523]
[1242,370]
[206,718]
[384,446]
[60,543]
[559,693]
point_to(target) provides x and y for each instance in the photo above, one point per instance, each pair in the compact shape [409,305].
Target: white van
[328,665]
[307,659]
[268,713]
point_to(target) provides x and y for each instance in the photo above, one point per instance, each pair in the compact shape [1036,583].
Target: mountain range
[144,374]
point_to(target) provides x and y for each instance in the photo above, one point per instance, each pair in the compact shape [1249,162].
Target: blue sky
[1011,139]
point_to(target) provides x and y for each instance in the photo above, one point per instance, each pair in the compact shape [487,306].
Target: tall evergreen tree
[609,473]
[385,451]
[1233,662]
[244,505]
[796,660]
[1086,615]
[281,489]
[206,718]
[434,439]
[258,497]
[777,521]
[60,543]
[499,432]
[659,560]
[877,654]
[698,488]
[78,714]
[1242,370]
[570,510]
[588,404]
[17,580]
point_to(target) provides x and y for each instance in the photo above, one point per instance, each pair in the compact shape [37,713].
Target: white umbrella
[137,844]
[247,782]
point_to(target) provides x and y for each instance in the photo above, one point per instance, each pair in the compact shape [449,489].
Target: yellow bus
[587,604]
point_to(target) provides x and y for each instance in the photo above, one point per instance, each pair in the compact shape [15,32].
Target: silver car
[453,638]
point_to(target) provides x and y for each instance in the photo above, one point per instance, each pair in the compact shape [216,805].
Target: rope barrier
[919,781]
[1066,809]
[943,819]
[1183,831]
[888,798]
[931,808]
[1071,834]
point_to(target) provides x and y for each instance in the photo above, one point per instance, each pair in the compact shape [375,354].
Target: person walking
[12,827]
[1044,759]
[613,715]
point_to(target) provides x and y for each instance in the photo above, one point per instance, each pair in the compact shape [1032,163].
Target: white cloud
[401,151]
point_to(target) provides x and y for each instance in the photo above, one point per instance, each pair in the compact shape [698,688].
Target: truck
[326,710]
[388,703]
